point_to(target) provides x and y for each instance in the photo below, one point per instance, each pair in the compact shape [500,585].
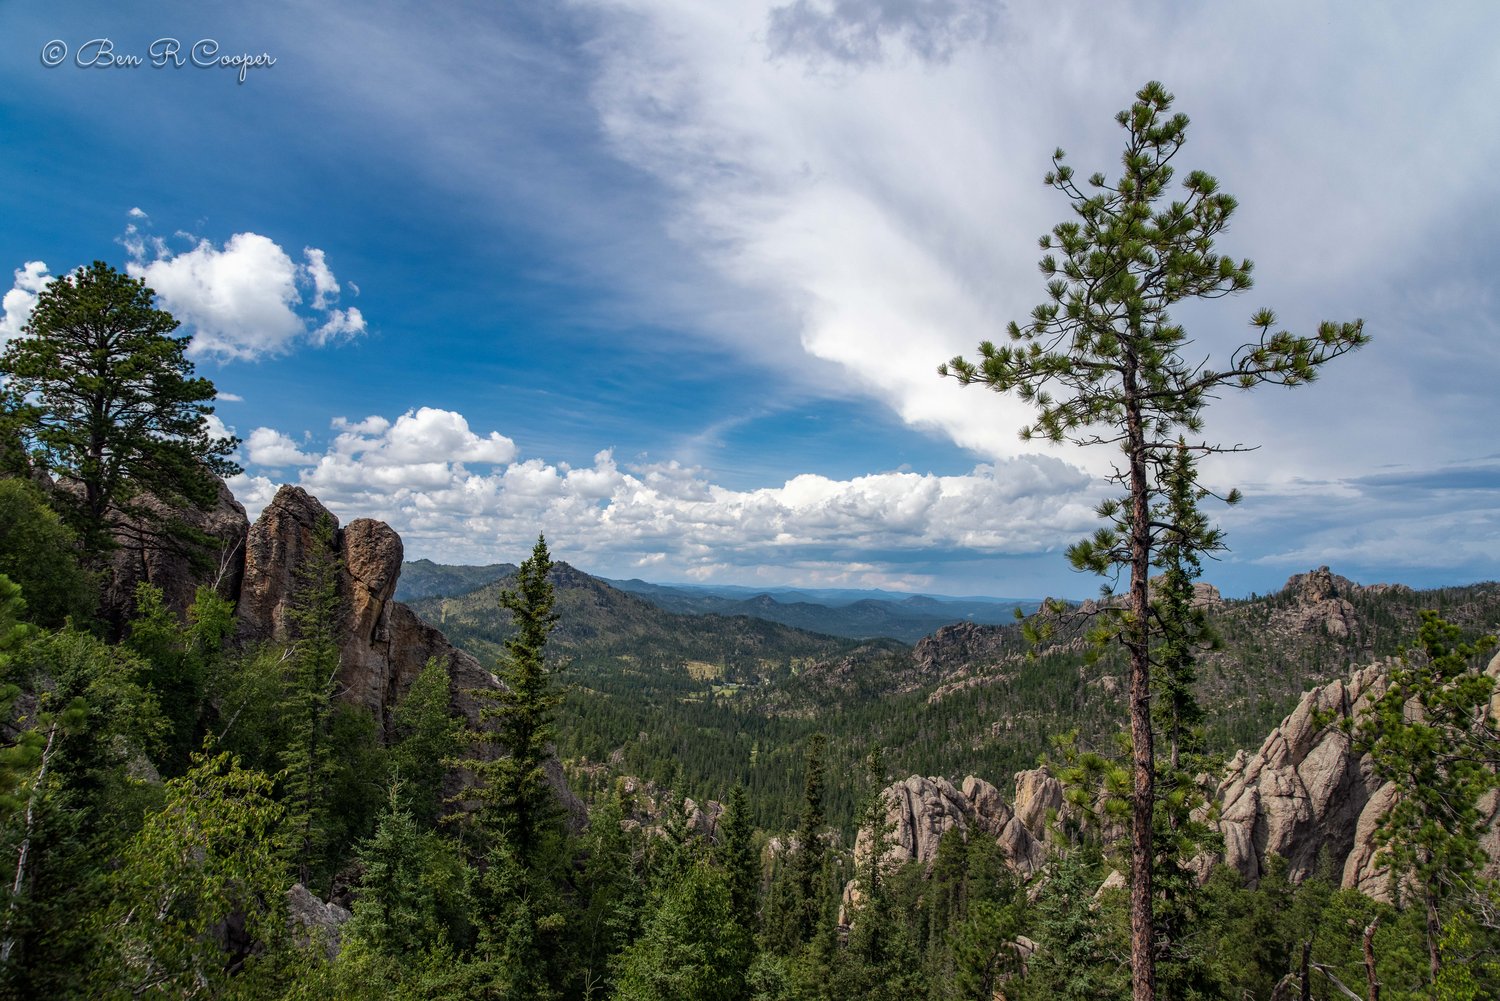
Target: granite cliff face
[383,645]
[141,558]
[919,811]
[1304,793]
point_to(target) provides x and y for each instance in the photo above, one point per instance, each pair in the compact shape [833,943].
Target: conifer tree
[103,398]
[426,742]
[518,803]
[1432,735]
[1103,363]
[740,860]
[307,703]
[807,863]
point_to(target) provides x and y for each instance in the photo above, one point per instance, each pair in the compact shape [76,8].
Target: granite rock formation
[1305,794]
[919,811]
[175,568]
[383,645]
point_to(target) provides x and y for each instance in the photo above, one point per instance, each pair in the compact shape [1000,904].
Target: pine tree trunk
[1142,944]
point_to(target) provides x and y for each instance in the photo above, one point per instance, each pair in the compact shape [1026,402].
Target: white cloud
[458,495]
[342,324]
[137,213]
[266,447]
[21,299]
[325,286]
[873,171]
[241,301]
[229,397]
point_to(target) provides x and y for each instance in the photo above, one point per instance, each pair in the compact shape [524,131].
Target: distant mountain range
[849,613]
[726,698]
[426,579]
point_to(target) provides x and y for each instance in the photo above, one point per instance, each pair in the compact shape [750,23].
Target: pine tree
[741,861]
[1102,361]
[426,742]
[807,863]
[1431,734]
[103,398]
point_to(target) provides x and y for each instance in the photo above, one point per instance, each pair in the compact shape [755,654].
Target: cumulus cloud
[342,324]
[243,300]
[30,279]
[460,495]
[266,447]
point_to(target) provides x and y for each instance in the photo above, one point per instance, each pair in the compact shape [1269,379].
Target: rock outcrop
[1303,792]
[1304,795]
[919,811]
[175,567]
[1322,602]
[383,645]
[1038,793]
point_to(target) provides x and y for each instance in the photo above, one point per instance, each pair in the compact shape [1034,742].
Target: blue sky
[669,281]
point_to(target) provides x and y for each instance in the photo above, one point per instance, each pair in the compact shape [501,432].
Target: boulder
[313,921]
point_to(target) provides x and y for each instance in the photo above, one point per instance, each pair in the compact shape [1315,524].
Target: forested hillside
[733,699]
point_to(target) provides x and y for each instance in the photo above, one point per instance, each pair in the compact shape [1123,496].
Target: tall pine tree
[1103,363]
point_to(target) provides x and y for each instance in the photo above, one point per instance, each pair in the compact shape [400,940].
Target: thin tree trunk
[1306,994]
[9,944]
[1142,937]
[1369,939]
[1434,936]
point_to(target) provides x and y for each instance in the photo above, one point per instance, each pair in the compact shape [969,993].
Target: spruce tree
[308,762]
[517,802]
[1102,361]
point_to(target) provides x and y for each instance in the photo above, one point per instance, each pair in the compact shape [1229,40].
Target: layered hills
[704,700]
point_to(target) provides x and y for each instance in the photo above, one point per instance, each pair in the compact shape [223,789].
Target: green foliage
[414,894]
[180,657]
[691,948]
[1102,363]
[85,724]
[739,858]
[517,803]
[613,887]
[212,857]
[1431,734]
[309,767]
[426,740]
[1078,955]
[105,400]
[39,552]
[800,879]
